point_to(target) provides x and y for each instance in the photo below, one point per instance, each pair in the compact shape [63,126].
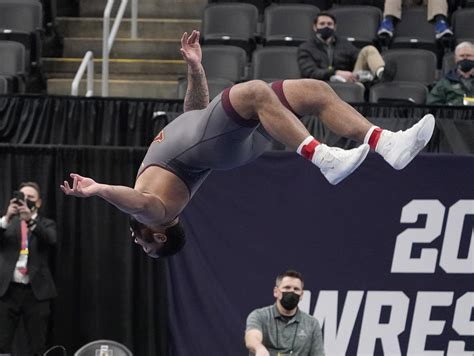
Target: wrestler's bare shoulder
[165,184]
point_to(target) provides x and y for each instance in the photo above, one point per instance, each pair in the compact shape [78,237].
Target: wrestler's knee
[259,90]
[315,85]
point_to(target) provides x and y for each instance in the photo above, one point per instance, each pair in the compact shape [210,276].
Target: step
[147,28]
[121,88]
[117,76]
[140,68]
[124,48]
[191,9]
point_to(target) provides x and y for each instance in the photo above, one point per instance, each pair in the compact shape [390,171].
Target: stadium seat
[377,3]
[466,3]
[413,65]
[3,85]
[22,21]
[448,63]
[349,92]
[357,24]
[216,85]
[288,24]
[12,64]
[463,25]
[274,63]
[108,347]
[398,92]
[227,62]
[259,4]
[414,31]
[320,4]
[230,24]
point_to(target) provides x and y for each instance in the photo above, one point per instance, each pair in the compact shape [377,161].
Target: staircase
[147,67]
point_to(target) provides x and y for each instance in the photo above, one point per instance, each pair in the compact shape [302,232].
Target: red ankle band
[308,150]
[374,137]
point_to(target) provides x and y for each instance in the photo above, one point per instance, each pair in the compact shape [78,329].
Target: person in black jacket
[26,284]
[327,57]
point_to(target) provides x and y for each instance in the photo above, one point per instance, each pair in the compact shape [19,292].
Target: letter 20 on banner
[412,312]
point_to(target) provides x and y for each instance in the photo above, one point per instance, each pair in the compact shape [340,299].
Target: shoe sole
[422,138]
[361,159]
[444,33]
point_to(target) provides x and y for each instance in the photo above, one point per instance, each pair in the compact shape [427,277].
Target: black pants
[20,302]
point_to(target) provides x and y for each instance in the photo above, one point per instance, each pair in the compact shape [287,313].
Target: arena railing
[87,62]
[108,38]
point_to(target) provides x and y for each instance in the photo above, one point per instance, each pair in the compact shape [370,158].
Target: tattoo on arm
[197,93]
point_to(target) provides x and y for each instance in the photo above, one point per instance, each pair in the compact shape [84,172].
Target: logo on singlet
[160,137]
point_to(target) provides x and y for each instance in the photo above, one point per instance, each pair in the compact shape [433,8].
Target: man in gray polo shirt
[282,329]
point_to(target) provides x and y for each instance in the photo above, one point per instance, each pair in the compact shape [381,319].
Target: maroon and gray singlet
[216,137]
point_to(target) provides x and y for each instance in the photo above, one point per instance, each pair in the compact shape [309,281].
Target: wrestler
[232,130]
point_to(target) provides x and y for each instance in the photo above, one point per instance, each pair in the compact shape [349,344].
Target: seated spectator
[459,82]
[327,57]
[437,12]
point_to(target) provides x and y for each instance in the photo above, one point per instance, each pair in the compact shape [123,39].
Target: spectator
[281,328]
[26,284]
[437,12]
[327,57]
[459,82]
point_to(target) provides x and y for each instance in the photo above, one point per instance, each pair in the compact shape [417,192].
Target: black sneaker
[389,71]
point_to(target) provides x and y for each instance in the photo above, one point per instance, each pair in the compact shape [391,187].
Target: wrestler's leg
[256,100]
[314,97]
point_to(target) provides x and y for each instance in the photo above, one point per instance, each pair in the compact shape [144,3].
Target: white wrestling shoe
[335,163]
[399,148]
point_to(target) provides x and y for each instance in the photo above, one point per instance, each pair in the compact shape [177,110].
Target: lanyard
[278,341]
[24,238]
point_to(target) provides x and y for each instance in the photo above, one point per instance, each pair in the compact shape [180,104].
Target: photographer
[26,284]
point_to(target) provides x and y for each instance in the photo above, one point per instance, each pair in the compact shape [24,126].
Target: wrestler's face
[150,240]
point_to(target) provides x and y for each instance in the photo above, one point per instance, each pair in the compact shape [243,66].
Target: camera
[18,197]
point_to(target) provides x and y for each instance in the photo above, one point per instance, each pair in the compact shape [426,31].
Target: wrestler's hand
[191,49]
[81,186]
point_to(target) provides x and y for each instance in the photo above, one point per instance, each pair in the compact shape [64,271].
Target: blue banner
[387,256]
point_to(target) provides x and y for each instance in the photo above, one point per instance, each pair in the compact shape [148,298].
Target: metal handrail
[109,38]
[87,62]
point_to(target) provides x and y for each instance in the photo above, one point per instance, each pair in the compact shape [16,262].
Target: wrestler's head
[158,243]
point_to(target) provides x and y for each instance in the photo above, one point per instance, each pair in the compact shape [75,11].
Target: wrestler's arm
[197,92]
[144,207]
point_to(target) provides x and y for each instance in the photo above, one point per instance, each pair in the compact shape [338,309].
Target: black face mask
[289,300]
[31,205]
[466,65]
[325,32]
